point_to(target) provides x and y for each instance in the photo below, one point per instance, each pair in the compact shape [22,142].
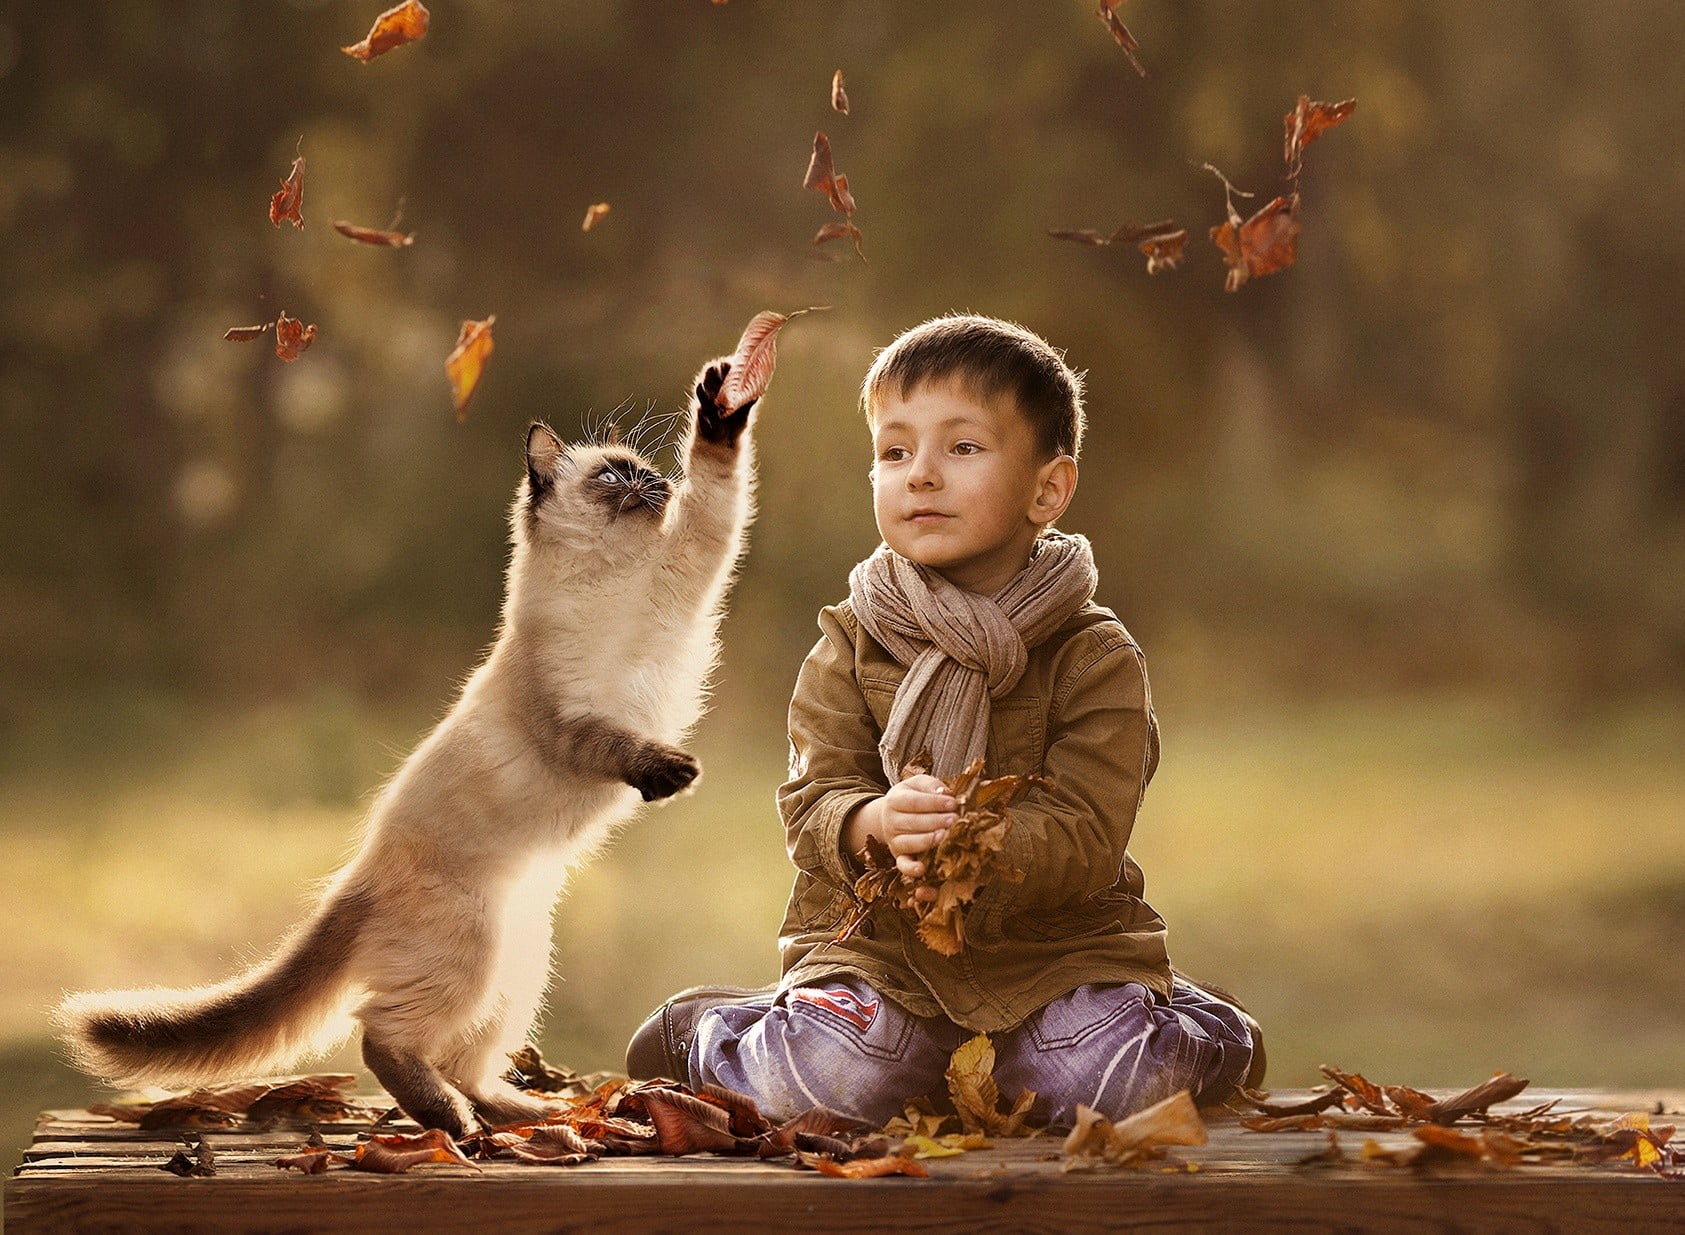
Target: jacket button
[865,931]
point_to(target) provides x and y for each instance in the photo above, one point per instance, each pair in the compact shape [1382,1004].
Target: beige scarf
[961,649]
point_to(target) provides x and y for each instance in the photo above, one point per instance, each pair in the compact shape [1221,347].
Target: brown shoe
[1255,1070]
[662,1044]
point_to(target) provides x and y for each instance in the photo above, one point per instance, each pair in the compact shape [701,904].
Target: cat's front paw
[714,423]
[663,771]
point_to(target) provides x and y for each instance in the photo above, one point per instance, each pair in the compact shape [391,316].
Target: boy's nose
[922,475]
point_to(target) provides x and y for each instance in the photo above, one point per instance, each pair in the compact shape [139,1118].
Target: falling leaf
[292,336]
[593,214]
[1120,32]
[403,23]
[822,177]
[753,361]
[373,235]
[1163,252]
[243,334]
[393,1155]
[289,202]
[839,96]
[467,361]
[1307,122]
[1160,243]
[1266,243]
[836,231]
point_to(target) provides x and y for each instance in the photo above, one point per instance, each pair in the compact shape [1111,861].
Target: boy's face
[960,486]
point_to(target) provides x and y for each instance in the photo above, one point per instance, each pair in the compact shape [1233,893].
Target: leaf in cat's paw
[753,361]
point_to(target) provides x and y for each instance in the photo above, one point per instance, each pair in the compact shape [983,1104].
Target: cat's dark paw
[663,771]
[713,424]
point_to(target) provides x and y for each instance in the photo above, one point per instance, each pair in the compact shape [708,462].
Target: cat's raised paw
[662,772]
[712,423]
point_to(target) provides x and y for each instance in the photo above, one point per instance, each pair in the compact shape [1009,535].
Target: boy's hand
[712,424]
[912,818]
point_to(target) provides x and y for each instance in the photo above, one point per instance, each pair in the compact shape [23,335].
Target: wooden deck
[88,1173]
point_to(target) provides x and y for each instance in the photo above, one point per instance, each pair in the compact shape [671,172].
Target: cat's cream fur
[436,935]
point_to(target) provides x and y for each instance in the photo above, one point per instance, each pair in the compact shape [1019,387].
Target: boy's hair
[989,358]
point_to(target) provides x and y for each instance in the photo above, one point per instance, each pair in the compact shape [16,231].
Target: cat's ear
[545,453]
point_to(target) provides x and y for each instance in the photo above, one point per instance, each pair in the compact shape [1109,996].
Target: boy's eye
[967,448]
[893,454]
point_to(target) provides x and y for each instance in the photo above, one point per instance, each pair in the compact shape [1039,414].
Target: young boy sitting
[970,632]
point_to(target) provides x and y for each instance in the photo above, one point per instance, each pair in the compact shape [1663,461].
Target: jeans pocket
[872,1024]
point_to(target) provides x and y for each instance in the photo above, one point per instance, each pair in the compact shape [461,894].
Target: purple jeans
[1116,1047]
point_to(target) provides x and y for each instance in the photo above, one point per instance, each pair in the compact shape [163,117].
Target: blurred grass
[1424,890]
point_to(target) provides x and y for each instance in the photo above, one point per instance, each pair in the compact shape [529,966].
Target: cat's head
[590,493]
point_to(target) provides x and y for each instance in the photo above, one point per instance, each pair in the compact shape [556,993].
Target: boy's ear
[1056,485]
[544,458]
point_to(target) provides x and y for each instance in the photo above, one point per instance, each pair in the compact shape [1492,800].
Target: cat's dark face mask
[625,484]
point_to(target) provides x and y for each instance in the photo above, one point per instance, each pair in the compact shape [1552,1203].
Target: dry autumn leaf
[403,23]
[971,1087]
[1266,243]
[311,1159]
[822,177]
[593,215]
[1143,1135]
[393,1155]
[839,96]
[863,1168]
[288,204]
[1160,243]
[245,334]
[756,356]
[292,336]
[1120,33]
[374,235]
[467,361]
[1307,122]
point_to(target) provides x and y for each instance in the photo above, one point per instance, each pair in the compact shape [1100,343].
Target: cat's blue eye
[609,476]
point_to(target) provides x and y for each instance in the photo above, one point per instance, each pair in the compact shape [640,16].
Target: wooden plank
[86,1174]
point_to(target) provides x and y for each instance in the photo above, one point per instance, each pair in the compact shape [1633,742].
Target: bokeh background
[1401,529]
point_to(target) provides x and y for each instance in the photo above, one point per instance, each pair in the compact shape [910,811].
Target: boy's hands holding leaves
[910,820]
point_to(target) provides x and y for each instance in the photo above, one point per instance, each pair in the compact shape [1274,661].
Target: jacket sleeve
[1070,838]
[834,761]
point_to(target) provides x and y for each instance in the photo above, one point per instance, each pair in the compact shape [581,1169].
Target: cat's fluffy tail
[255,1022]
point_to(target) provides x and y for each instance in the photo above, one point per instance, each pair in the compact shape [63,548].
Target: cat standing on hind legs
[436,935]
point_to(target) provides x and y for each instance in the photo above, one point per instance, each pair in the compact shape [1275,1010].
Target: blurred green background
[1401,529]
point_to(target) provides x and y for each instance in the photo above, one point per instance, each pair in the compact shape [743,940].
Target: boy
[971,631]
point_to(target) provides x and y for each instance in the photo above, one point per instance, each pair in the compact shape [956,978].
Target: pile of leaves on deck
[968,859]
[1462,1128]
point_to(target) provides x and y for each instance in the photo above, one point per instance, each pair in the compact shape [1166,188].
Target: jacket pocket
[1017,737]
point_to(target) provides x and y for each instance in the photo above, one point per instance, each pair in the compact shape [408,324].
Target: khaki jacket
[1082,714]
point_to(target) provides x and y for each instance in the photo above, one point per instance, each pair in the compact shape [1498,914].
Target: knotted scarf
[961,649]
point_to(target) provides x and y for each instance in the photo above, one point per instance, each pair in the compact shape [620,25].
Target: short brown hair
[989,358]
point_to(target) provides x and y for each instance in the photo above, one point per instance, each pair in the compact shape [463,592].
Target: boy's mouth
[927,516]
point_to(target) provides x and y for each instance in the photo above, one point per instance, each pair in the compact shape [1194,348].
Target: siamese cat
[435,936]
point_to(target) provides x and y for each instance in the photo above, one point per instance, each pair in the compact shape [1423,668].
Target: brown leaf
[1275,1110]
[753,361]
[374,235]
[292,336]
[403,23]
[199,1165]
[686,1125]
[836,231]
[393,1155]
[823,178]
[839,96]
[746,1117]
[593,215]
[528,1070]
[308,1099]
[244,334]
[971,1084]
[288,204]
[863,1168]
[1143,1135]
[1163,252]
[1266,243]
[1499,1088]
[556,1145]
[1120,32]
[467,362]
[1367,1092]
[1307,122]
[311,1159]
